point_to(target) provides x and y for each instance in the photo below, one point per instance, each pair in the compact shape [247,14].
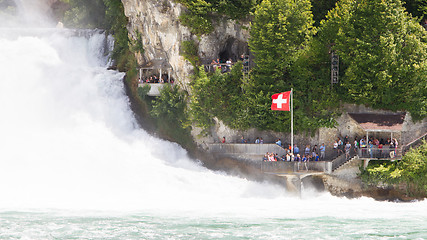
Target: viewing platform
[253,154]
[155,88]
[156,74]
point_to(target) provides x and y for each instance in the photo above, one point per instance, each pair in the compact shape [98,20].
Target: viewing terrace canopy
[372,122]
[159,65]
[380,123]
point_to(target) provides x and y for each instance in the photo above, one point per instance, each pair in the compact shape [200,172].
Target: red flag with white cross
[281,101]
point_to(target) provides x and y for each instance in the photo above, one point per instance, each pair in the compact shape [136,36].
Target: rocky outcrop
[157,22]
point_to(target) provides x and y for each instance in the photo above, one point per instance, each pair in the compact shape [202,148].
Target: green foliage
[106,14]
[201,101]
[380,173]
[418,8]
[116,22]
[189,50]
[201,12]
[143,91]
[281,36]
[383,54]
[170,112]
[320,9]
[219,95]
[411,170]
[199,24]
[85,14]
[137,44]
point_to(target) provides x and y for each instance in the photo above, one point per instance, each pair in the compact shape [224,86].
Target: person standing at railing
[371,146]
[356,144]
[322,151]
[307,150]
[380,150]
[229,63]
[296,149]
[395,146]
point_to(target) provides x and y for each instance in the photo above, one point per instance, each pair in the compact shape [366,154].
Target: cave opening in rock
[233,49]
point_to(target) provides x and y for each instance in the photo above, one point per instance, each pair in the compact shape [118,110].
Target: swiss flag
[281,101]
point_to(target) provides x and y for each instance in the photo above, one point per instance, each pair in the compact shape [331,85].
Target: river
[74,164]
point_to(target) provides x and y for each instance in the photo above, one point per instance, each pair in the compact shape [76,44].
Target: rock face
[157,22]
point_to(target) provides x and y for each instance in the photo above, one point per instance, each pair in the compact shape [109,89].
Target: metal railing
[380,153]
[416,142]
[224,67]
[337,162]
[296,166]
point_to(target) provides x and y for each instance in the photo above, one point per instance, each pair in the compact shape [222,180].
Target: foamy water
[74,164]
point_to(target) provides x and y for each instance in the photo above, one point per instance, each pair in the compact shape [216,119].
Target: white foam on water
[68,140]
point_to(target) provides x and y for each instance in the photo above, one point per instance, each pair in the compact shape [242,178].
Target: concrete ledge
[155,88]
[290,167]
[245,148]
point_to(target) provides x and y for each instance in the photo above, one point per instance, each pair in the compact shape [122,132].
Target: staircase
[414,143]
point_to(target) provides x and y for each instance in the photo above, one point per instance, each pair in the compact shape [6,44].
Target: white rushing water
[74,164]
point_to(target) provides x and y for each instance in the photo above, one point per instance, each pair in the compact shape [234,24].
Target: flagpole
[292,121]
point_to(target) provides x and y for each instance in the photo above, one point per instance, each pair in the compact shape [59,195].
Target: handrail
[337,162]
[406,147]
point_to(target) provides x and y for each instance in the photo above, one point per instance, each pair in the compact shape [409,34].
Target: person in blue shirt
[322,151]
[296,149]
[279,142]
[371,146]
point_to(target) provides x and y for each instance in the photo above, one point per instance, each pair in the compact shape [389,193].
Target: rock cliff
[157,22]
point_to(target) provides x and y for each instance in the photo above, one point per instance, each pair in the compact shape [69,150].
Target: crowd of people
[155,79]
[294,154]
[374,148]
[224,67]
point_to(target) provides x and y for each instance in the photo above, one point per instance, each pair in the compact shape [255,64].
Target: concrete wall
[253,153]
[345,126]
[154,88]
[290,167]
[255,149]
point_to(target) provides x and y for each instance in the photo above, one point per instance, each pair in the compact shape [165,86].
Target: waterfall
[69,139]
[75,164]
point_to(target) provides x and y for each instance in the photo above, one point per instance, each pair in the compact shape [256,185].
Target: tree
[85,14]
[320,9]
[279,33]
[418,8]
[383,53]
[413,169]
[170,112]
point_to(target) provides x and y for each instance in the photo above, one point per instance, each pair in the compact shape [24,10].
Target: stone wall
[412,130]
